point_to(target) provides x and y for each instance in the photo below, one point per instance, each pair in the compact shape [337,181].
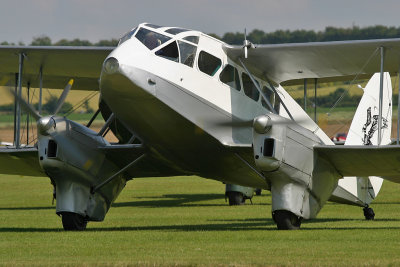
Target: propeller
[246,44]
[260,123]
[44,123]
[63,96]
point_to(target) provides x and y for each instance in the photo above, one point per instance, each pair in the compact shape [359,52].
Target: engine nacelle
[69,154]
[283,152]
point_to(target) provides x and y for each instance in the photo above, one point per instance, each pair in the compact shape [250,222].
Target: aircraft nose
[111,65]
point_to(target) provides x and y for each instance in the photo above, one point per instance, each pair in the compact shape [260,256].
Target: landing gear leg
[73,221]
[369,213]
[286,220]
[235,198]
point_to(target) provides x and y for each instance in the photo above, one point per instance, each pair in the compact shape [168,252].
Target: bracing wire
[352,82]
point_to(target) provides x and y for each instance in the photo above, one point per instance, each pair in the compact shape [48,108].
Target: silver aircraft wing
[58,63]
[22,161]
[383,161]
[25,162]
[327,61]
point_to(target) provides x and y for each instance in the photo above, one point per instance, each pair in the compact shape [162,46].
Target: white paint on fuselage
[209,89]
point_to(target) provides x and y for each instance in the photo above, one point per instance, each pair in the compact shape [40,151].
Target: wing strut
[94,189]
[258,88]
[382,49]
[398,110]
[18,122]
[280,99]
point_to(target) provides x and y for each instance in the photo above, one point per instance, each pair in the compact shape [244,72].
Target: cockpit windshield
[154,26]
[175,31]
[127,36]
[151,39]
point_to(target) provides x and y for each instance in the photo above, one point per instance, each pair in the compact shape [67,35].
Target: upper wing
[327,61]
[58,63]
[381,161]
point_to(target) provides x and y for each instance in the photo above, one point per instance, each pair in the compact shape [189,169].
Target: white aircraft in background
[183,103]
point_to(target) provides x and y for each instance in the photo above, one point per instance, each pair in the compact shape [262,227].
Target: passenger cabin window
[229,75]
[193,39]
[249,88]
[208,63]
[270,96]
[151,39]
[188,53]
[127,36]
[175,31]
[169,52]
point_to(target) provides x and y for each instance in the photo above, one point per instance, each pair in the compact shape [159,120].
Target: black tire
[369,213]
[286,220]
[235,198]
[73,221]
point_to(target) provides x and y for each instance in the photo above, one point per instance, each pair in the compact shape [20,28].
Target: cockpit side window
[169,52]
[188,53]
[151,39]
[229,75]
[127,36]
[208,63]
[249,88]
[193,39]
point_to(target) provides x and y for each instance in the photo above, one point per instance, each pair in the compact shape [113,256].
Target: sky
[93,20]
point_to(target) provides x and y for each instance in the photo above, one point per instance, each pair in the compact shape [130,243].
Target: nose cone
[111,65]
[262,124]
[44,124]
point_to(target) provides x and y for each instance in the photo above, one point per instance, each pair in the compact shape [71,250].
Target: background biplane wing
[58,65]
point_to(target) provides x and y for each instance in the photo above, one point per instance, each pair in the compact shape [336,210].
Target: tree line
[257,36]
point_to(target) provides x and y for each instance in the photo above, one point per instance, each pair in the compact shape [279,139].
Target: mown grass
[184,221]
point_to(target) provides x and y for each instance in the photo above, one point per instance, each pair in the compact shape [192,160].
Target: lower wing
[381,161]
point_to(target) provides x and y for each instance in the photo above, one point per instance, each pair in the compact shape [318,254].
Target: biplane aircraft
[181,102]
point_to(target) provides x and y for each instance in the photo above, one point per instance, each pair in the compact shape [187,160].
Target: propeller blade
[250,123]
[27,107]
[63,96]
[235,124]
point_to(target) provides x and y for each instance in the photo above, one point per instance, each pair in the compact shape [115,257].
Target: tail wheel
[73,221]
[286,220]
[235,198]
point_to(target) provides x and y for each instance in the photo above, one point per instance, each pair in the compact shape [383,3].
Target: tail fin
[364,131]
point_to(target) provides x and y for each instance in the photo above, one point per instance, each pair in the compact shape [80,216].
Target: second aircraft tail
[364,131]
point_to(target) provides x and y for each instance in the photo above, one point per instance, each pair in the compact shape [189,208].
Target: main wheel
[73,221]
[258,191]
[286,220]
[369,213]
[235,198]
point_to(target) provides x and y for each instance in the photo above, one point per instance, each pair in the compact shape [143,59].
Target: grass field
[184,221]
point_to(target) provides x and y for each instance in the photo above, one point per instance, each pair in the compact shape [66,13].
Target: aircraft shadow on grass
[225,225]
[29,208]
[177,200]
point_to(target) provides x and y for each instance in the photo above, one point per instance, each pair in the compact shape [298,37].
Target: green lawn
[185,221]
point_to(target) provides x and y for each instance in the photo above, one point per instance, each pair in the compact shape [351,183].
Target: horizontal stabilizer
[381,161]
